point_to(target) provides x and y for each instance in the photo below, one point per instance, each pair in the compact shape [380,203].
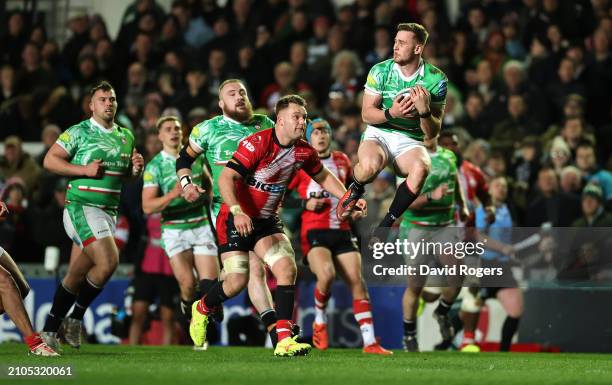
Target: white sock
[367,332]
[320,316]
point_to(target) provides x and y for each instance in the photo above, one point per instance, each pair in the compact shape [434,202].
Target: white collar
[419,72]
[100,127]
[168,155]
[231,120]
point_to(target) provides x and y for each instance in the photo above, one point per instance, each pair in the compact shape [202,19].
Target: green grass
[118,365]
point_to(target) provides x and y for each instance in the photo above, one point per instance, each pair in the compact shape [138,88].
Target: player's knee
[420,170]
[234,283]
[371,166]
[326,274]
[285,270]
[6,280]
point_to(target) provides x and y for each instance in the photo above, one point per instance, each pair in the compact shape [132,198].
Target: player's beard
[241,116]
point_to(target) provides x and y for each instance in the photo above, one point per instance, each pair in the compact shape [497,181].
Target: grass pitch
[118,365]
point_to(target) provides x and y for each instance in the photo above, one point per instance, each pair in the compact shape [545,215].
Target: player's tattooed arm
[57,161]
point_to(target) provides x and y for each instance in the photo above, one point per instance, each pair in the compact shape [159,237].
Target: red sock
[33,340]
[202,308]
[362,311]
[469,337]
[283,329]
[363,316]
[320,299]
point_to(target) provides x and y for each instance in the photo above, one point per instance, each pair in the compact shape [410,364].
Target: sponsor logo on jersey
[248,145]
[267,187]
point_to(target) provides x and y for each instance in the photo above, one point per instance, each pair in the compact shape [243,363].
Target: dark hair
[419,31]
[103,85]
[288,99]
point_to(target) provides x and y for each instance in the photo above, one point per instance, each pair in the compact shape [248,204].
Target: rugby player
[403,103]
[13,290]
[186,236]
[97,154]
[252,186]
[217,139]
[328,244]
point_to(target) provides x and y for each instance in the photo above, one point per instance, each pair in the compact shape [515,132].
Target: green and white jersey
[160,172]
[218,138]
[88,141]
[440,212]
[386,79]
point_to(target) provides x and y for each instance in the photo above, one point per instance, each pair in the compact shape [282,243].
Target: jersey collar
[167,155]
[419,72]
[100,127]
[275,138]
[231,120]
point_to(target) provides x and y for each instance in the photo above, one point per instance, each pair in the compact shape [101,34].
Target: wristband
[388,114]
[236,210]
[425,115]
[185,181]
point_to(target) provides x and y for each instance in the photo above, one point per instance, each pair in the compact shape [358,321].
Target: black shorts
[336,241]
[490,285]
[149,287]
[230,240]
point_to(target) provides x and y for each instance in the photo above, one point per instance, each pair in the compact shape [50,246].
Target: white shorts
[1,251]
[394,143]
[200,239]
[85,224]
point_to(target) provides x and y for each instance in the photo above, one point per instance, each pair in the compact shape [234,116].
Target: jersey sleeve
[198,138]
[312,166]
[69,140]
[248,154]
[438,92]
[150,176]
[374,81]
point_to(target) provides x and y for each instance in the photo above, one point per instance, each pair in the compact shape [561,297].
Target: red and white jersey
[267,168]
[339,165]
[472,182]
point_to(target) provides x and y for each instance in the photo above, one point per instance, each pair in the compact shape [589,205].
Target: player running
[97,155]
[217,139]
[252,187]
[429,218]
[328,244]
[403,103]
[13,290]
[473,183]
[186,236]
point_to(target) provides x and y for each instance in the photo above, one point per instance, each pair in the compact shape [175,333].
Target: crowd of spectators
[529,89]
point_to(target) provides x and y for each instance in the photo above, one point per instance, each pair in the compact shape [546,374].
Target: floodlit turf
[118,365]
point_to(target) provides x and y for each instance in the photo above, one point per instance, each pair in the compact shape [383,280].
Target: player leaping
[328,243]
[252,186]
[402,104]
